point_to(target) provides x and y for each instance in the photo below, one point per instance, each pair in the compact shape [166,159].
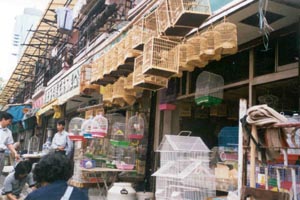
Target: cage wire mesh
[148,82]
[160,58]
[209,89]
[228,33]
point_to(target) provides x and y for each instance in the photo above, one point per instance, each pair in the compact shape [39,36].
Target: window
[264,59]
[287,49]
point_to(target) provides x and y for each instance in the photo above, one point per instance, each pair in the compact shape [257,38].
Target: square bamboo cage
[125,66]
[165,25]
[107,79]
[85,80]
[160,58]
[199,45]
[150,27]
[137,35]
[188,13]
[121,96]
[228,42]
[148,82]
[213,50]
[130,52]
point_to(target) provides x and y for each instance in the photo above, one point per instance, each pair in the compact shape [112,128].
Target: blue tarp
[217,4]
[17,112]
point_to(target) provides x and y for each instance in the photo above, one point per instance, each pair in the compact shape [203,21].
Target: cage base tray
[190,19]
[208,101]
[150,86]
[159,72]
[119,143]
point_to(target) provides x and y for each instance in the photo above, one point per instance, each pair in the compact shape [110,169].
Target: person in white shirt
[61,142]
[6,139]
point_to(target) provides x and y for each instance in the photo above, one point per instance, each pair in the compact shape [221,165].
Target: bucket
[122,191]
[145,195]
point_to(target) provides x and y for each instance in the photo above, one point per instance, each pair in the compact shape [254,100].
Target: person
[16,180]
[6,139]
[61,142]
[17,146]
[52,173]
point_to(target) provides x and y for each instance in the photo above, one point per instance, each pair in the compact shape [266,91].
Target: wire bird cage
[209,89]
[184,172]
[75,129]
[125,158]
[198,46]
[213,50]
[118,135]
[144,81]
[121,96]
[85,80]
[112,118]
[135,127]
[183,53]
[228,32]
[34,144]
[100,126]
[107,94]
[160,58]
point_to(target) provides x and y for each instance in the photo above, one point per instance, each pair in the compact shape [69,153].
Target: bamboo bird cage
[107,94]
[160,58]
[121,96]
[199,45]
[137,34]
[130,52]
[148,82]
[183,49]
[213,50]
[228,32]
[85,80]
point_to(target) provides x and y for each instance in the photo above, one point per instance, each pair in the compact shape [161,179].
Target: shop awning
[37,48]
[47,107]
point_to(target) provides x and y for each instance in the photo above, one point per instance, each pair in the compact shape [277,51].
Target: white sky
[9,9]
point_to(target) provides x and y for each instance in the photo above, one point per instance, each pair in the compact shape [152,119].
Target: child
[16,180]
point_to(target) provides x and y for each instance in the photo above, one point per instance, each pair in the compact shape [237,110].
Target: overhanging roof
[37,47]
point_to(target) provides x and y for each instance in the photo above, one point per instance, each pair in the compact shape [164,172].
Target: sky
[9,9]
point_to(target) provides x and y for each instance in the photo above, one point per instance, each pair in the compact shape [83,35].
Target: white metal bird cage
[144,81]
[34,144]
[135,127]
[126,158]
[213,50]
[100,126]
[160,58]
[228,32]
[118,135]
[209,89]
[86,128]
[199,45]
[75,129]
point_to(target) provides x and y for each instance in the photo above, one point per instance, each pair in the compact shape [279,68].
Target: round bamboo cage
[121,52]
[148,82]
[129,51]
[199,45]
[160,58]
[163,18]
[150,28]
[183,49]
[213,50]
[228,33]
[107,94]
[121,96]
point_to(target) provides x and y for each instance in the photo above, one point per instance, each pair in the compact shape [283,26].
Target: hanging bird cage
[118,135]
[137,34]
[75,129]
[126,158]
[112,118]
[188,13]
[104,79]
[199,45]
[144,81]
[228,33]
[122,96]
[135,127]
[113,59]
[101,66]
[163,17]
[150,28]
[107,92]
[86,128]
[34,144]
[121,52]
[160,58]
[107,63]
[124,66]
[100,126]
[128,82]
[213,50]
[209,89]
[130,52]
[85,80]
[95,71]
[183,53]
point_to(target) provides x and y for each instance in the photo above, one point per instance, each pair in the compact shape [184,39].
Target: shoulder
[10,177]
[80,194]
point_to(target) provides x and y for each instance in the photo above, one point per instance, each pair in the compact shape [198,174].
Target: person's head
[5,119]
[52,167]
[60,125]
[22,169]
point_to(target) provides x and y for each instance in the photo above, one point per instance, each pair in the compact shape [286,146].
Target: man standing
[61,142]
[6,139]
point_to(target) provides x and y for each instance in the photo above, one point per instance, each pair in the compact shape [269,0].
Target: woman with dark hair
[16,180]
[52,172]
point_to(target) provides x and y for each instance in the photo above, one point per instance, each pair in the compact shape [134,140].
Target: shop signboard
[38,102]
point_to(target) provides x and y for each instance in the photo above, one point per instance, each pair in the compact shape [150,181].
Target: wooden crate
[148,82]
[160,58]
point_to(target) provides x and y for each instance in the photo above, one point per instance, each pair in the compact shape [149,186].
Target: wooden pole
[242,113]
[252,156]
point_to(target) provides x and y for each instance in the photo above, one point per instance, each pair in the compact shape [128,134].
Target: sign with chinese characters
[63,86]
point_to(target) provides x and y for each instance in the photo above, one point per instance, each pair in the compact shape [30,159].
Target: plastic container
[122,191]
[145,196]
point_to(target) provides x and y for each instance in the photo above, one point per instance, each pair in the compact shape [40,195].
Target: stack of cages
[121,96]
[107,95]
[85,80]
[209,89]
[184,169]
